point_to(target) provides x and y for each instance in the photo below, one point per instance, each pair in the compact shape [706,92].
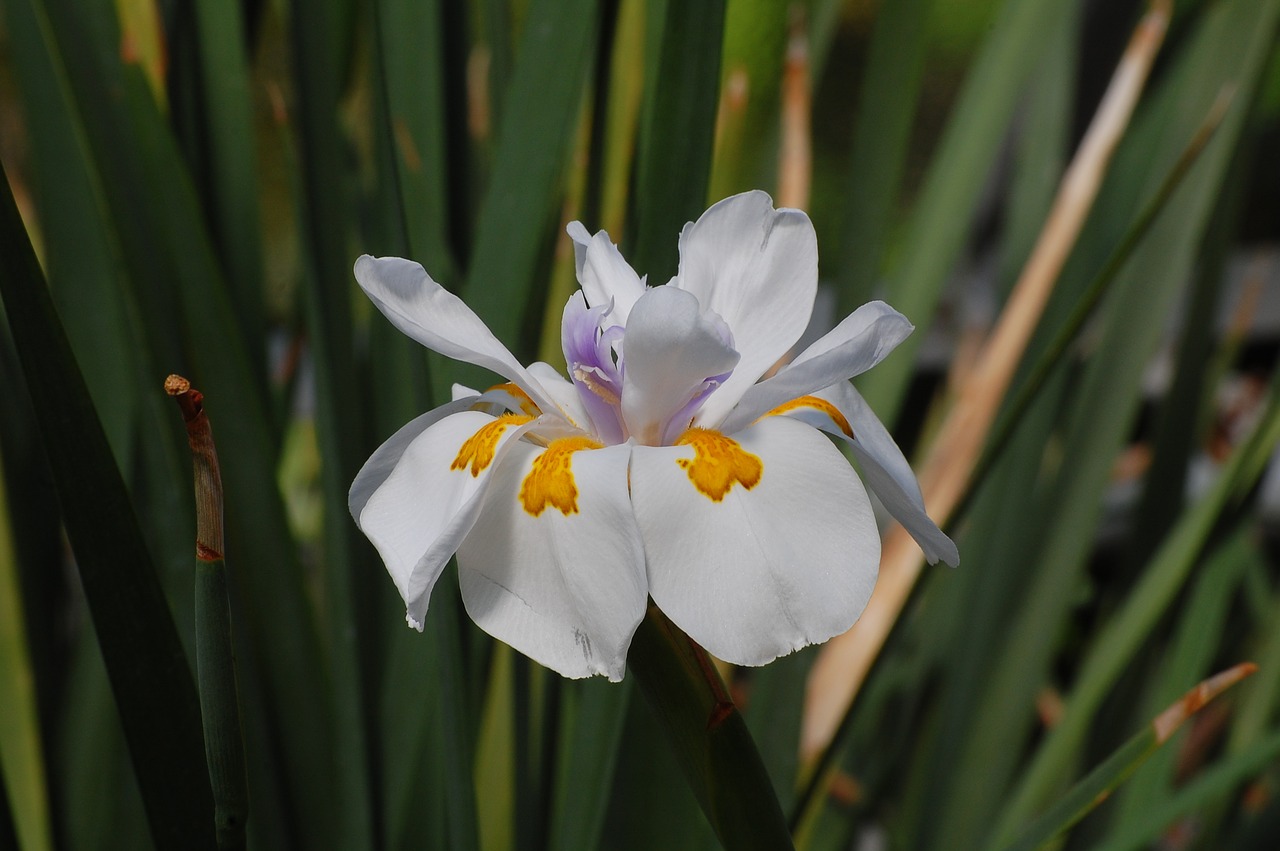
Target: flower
[669,463]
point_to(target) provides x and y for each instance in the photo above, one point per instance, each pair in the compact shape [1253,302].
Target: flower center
[550,481]
[718,462]
[477,450]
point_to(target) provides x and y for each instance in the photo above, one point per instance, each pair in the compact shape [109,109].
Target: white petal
[581,239]
[883,465]
[766,570]
[567,590]
[385,458]
[861,341]
[419,511]
[562,391]
[605,276]
[758,269]
[439,320]
[671,350]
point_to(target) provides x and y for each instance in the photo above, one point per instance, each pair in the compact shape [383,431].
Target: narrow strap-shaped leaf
[886,110]
[153,687]
[677,129]
[710,737]
[1098,784]
[22,766]
[942,217]
[1211,785]
[317,32]
[538,124]
[591,730]
[1123,634]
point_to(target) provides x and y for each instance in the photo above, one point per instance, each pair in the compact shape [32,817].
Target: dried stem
[205,458]
[844,662]
[215,654]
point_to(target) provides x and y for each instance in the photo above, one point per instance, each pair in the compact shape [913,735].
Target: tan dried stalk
[844,662]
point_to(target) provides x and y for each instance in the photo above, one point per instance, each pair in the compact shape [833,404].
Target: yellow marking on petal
[550,481]
[818,404]
[477,450]
[527,405]
[718,462]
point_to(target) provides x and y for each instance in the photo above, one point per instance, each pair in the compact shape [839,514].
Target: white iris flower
[664,466]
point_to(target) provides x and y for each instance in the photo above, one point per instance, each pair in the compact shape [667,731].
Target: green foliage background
[197,178]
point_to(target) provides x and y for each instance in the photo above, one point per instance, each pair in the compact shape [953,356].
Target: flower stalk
[215,654]
[710,737]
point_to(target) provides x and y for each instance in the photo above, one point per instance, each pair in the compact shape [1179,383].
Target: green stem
[710,737]
[215,654]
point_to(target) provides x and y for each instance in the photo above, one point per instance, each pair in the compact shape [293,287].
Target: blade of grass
[843,663]
[538,126]
[677,125]
[319,41]
[409,38]
[1098,785]
[152,684]
[709,735]
[1106,395]
[1212,785]
[1144,605]
[1051,355]
[882,127]
[21,749]
[940,222]
[228,177]
[167,251]
[1201,624]
[626,77]
[83,263]
[591,723]
[495,757]
[755,45]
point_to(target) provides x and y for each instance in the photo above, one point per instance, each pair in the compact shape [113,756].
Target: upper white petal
[765,571]
[884,467]
[861,341]
[757,268]
[607,277]
[671,349]
[581,239]
[565,590]
[438,319]
[417,513]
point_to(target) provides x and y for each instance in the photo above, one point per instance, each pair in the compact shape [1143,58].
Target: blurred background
[197,178]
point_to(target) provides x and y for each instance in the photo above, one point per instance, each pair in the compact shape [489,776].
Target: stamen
[718,463]
[477,450]
[550,481]
[818,404]
[588,379]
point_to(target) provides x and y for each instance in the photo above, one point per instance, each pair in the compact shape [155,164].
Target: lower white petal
[883,465]
[422,508]
[565,589]
[385,458]
[766,569]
